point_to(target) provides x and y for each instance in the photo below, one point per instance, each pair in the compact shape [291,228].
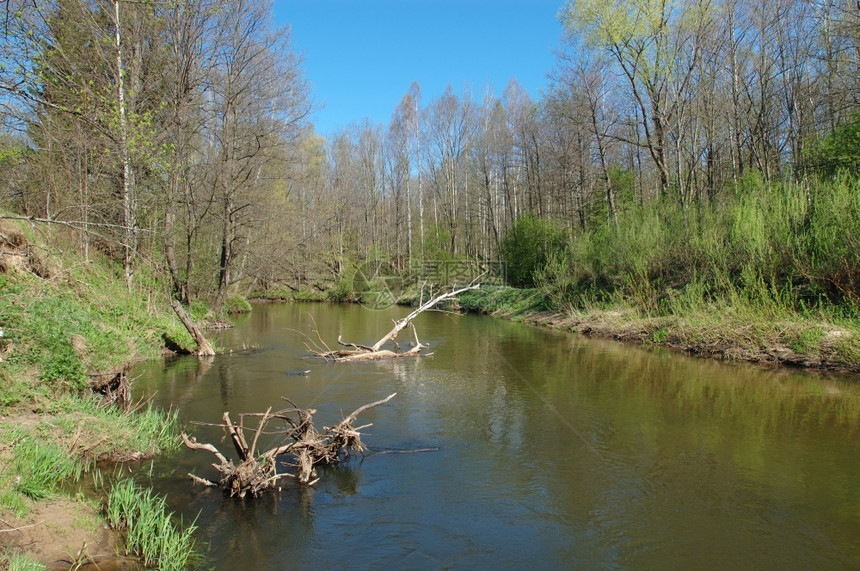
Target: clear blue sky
[361,56]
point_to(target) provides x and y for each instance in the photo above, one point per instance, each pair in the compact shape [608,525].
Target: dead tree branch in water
[204,349]
[375,352]
[305,447]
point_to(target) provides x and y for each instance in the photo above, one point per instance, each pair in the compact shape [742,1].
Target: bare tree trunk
[129,210]
[204,349]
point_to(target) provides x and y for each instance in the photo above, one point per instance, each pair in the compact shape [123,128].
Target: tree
[657,45]
[592,78]
[258,103]
[449,130]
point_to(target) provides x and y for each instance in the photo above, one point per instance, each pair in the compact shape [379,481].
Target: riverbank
[763,331]
[69,323]
[757,333]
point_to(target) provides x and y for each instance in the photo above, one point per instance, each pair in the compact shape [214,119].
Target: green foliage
[150,531]
[20,562]
[503,300]
[437,245]
[624,184]
[237,304]
[342,290]
[767,255]
[85,320]
[527,248]
[807,342]
[39,467]
[312,295]
[199,309]
[783,245]
[838,152]
[14,502]
[660,335]
[147,431]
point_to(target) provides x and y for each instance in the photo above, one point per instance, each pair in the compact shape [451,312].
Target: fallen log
[204,348]
[305,449]
[375,352]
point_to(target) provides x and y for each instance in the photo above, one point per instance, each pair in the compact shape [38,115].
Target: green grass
[150,531]
[237,304]
[505,301]
[38,466]
[807,342]
[20,562]
[84,319]
[80,319]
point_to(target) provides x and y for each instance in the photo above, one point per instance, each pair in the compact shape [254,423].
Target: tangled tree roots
[304,446]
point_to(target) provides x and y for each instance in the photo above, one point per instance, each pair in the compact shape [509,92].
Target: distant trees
[651,101]
[179,132]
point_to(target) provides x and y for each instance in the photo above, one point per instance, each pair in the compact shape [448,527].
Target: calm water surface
[552,450]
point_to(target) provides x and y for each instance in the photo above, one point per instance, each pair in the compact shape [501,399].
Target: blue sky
[361,56]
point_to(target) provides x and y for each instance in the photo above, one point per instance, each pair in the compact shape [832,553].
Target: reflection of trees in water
[264,532]
[342,477]
[178,377]
[644,429]
[225,382]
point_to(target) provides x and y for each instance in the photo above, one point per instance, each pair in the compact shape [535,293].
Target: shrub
[838,151]
[528,246]
[237,304]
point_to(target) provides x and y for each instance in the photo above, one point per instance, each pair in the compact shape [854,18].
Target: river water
[546,449]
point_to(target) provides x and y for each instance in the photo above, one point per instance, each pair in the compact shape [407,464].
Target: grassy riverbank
[763,331]
[67,322]
[769,273]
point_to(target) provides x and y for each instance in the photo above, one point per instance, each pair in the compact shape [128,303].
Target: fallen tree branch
[375,352]
[22,527]
[204,349]
[306,448]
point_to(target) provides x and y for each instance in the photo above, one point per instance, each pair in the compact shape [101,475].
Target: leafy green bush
[528,246]
[237,304]
[838,151]
[342,290]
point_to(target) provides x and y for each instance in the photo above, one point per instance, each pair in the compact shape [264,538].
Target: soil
[62,533]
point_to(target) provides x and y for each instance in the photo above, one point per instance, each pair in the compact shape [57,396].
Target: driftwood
[304,447]
[204,349]
[376,352]
[115,388]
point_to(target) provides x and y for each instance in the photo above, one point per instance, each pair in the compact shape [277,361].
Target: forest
[683,150]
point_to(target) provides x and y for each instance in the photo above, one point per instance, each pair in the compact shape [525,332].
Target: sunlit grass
[150,532]
[20,562]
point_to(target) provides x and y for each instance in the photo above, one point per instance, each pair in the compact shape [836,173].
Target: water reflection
[550,449]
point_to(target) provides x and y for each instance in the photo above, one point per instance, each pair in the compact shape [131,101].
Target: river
[546,449]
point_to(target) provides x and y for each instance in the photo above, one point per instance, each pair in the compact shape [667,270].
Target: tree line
[179,133]
[160,131]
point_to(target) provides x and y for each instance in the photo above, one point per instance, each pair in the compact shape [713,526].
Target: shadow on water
[546,448]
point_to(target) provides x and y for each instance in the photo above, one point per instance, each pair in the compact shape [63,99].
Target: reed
[149,529]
